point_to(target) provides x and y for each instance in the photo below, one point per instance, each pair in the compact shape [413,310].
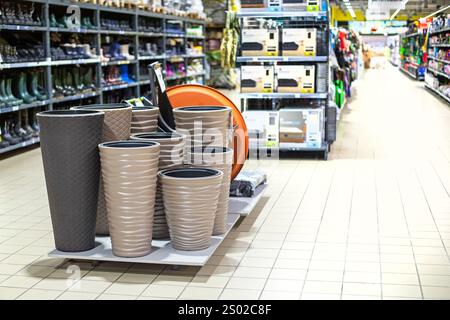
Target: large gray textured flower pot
[220,158]
[69,144]
[117,126]
[204,125]
[129,171]
[144,119]
[171,156]
[190,201]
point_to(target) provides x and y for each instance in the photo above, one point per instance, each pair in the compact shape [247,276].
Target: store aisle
[372,222]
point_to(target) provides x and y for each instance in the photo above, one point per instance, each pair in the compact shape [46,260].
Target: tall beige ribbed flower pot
[129,170]
[144,120]
[116,127]
[190,201]
[171,156]
[220,158]
[204,125]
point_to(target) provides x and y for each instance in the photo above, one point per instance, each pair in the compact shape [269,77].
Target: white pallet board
[162,251]
[244,205]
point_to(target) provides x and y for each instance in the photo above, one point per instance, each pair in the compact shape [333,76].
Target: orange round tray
[198,95]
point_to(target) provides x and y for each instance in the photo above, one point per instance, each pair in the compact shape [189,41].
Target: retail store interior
[225,150]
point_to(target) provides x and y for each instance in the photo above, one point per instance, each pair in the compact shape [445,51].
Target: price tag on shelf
[16,108]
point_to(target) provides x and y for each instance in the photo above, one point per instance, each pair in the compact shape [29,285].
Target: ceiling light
[402,5]
[440,10]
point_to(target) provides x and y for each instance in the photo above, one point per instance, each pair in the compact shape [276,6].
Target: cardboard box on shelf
[301,127]
[257,79]
[295,79]
[263,128]
[259,42]
[299,41]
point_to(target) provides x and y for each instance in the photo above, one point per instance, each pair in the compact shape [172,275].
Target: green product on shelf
[340,93]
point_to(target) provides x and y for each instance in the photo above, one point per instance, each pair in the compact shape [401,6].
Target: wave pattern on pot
[219,158]
[69,141]
[117,126]
[144,119]
[190,201]
[171,156]
[129,170]
[204,126]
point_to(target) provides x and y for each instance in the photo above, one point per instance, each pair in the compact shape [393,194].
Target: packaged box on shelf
[299,41]
[263,128]
[301,128]
[295,79]
[257,79]
[259,42]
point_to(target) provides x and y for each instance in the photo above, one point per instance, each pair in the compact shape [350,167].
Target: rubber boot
[125,52]
[26,122]
[3,96]
[8,135]
[34,124]
[20,89]
[22,133]
[33,86]
[124,74]
[3,142]
[77,81]
[53,22]
[14,101]
[88,79]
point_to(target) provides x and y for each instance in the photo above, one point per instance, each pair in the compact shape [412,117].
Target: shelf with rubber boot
[97,23]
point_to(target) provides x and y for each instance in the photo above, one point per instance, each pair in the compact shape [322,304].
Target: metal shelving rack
[134,65]
[309,19]
[440,76]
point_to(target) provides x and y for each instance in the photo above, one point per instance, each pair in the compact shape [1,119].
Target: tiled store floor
[373,222]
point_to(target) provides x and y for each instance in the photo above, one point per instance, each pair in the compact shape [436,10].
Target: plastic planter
[190,202]
[129,171]
[144,119]
[171,156]
[69,141]
[204,126]
[116,127]
[220,158]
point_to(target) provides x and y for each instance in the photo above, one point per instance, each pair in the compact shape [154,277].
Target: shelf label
[16,108]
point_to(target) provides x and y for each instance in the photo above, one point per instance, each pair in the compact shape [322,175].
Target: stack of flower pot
[69,143]
[204,126]
[190,201]
[144,119]
[220,158]
[129,171]
[171,156]
[117,125]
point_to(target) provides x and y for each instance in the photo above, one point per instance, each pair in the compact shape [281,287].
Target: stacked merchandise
[146,191]
[437,77]
[346,50]
[284,76]
[100,57]
[412,55]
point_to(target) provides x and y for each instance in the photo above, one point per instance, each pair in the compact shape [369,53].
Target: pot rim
[157,136]
[208,109]
[69,113]
[209,150]
[102,107]
[146,108]
[210,173]
[128,144]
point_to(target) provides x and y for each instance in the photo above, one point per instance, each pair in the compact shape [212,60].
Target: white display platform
[242,205]
[162,252]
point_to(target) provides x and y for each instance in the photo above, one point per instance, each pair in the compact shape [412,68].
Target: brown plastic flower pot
[69,140]
[220,158]
[117,125]
[190,201]
[129,171]
[204,126]
[171,156]
[144,120]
